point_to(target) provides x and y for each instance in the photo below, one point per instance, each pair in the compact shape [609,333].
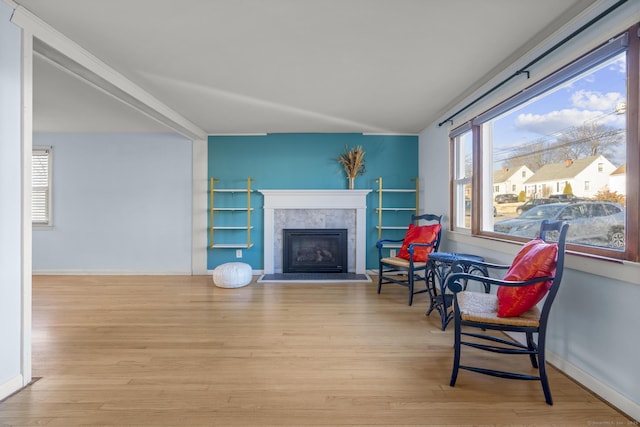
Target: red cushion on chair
[419,234]
[536,259]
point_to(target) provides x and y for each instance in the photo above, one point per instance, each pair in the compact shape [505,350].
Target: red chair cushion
[536,259]
[419,234]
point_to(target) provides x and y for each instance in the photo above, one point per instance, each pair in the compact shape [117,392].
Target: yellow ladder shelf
[381,208]
[213,210]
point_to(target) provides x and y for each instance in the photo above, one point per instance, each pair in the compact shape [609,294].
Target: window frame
[457,195]
[45,221]
[481,202]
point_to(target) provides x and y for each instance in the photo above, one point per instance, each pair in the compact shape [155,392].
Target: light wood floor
[115,350]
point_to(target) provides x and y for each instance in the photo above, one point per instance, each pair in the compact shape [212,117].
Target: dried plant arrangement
[353,161]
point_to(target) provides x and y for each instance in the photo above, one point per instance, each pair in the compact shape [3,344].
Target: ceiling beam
[54,46]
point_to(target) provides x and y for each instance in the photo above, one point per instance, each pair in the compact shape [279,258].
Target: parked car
[532,203]
[564,198]
[506,198]
[467,208]
[591,223]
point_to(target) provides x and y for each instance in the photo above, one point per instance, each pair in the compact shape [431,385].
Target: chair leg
[456,352]
[411,281]
[532,346]
[380,277]
[429,281]
[545,383]
[542,369]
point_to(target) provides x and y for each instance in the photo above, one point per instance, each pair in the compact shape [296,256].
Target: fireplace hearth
[315,250]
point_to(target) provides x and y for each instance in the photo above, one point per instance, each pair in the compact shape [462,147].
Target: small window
[463,173]
[41,186]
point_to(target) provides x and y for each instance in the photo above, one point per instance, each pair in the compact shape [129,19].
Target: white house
[510,180]
[586,176]
[618,180]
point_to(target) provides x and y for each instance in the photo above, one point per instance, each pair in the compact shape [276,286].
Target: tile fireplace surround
[315,209]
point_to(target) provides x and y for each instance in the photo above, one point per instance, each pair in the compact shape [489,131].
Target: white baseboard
[111,273]
[613,397]
[11,386]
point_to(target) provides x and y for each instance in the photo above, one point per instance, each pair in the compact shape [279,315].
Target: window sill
[41,227]
[625,271]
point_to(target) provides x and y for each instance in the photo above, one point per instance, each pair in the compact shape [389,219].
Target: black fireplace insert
[311,250]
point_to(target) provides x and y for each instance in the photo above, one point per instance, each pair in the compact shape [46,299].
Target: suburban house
[618,180]
[585,176]
[510,180]
[138,201]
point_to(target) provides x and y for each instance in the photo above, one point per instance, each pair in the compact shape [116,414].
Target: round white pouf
[232,275]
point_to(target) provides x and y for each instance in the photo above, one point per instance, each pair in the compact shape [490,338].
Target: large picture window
[561,150]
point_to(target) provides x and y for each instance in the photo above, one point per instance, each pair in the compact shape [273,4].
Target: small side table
[438,268]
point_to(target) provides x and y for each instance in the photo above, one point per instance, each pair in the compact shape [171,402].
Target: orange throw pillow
[419,234]
[536,259]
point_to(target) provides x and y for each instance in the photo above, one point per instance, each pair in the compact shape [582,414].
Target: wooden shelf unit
[381,227]
[215,211]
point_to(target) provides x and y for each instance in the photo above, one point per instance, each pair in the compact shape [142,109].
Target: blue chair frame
[534,323]
[390,267]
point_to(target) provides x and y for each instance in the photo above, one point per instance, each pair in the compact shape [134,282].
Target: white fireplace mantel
[316,199]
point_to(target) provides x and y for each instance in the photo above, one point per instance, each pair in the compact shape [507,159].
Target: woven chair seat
[481,307]
[401,262]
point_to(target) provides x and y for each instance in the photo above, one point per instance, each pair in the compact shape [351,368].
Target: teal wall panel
[307,161]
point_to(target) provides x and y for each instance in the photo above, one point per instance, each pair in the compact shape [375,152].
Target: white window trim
[460,180]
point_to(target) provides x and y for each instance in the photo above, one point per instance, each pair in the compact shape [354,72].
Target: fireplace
[314,250]
[315,209]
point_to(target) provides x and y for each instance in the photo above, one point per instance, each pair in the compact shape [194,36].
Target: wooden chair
[480,311]
[407,271]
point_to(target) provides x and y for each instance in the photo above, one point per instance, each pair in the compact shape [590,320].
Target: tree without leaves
[533,155]
[588,140]
[575,143]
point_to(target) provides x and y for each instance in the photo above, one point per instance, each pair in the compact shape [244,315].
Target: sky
[590,97]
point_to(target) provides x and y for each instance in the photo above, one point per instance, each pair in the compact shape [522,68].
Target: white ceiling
[266,66]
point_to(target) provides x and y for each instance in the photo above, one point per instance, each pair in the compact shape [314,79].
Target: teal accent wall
[307,161]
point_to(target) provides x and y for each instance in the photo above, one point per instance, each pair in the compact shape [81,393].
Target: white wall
[121,205]
[592,331]
[11,248]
